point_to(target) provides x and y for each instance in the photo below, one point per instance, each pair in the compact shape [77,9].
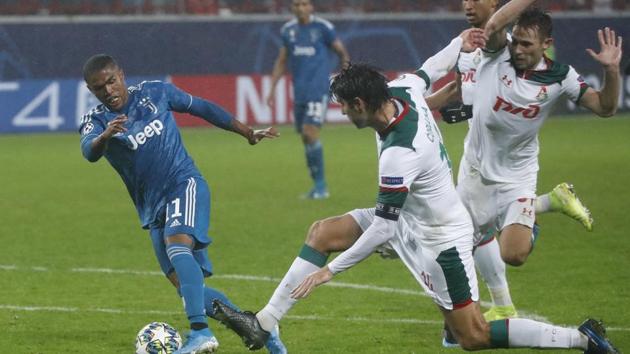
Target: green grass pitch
[78,274]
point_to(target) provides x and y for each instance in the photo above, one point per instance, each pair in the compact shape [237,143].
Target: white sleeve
[378,233]
[441,63]
[398,168]
[574,85]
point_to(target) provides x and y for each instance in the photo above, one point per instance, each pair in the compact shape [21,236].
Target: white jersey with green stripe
[509,109]
[415,178]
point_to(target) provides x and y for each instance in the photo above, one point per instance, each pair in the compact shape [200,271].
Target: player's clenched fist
[115,126]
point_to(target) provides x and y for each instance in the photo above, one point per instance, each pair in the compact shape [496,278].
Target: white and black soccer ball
[158,338]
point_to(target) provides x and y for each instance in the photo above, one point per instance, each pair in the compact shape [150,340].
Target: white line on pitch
[290,317]
[524,314]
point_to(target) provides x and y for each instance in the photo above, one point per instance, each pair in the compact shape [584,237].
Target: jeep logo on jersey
[530,112]
[151,129]
[304,51]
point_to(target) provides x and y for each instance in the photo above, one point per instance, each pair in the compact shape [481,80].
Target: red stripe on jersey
[398,119]
[486,241]
[399,189]
[462,304]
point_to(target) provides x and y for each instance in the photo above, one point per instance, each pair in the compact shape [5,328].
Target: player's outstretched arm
[444,61]
[495,33]
[254,136]
[604,102]
[93,150]
[378,233]
[323,275]
[344,58]
[441,97]
[279,67]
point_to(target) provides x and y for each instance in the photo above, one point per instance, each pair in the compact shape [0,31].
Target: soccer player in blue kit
[135,130]
[307,41]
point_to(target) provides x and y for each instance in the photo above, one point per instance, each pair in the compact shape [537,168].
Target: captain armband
[456,112]
[387,211]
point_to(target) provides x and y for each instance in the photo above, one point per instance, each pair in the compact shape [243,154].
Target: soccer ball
[158,338]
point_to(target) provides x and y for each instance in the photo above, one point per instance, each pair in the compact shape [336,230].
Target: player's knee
[514,258]
[317,238]
[310,134]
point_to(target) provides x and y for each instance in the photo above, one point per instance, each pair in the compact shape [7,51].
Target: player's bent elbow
[91,157]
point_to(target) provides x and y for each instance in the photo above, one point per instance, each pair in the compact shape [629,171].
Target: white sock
[542,204]
[492,269]
[281,302]
[531,334]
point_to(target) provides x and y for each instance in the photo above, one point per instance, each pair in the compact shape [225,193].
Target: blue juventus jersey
[150,156]
[308,47]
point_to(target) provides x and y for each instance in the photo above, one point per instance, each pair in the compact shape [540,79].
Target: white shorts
[446,272]
[493,206]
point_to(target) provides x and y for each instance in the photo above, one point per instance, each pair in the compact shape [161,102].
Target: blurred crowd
[228,7]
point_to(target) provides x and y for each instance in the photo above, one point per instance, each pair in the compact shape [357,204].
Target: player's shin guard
[211,294]
[523,333]
[315,162]
[190,282]
[308,261]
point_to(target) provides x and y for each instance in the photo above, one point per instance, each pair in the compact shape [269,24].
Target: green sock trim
[311,255]
[499,334]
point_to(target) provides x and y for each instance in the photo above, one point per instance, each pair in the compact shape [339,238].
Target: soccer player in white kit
[561,199]
[418,214]
[498,172]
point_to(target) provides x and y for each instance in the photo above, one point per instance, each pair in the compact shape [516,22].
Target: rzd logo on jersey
[530,112]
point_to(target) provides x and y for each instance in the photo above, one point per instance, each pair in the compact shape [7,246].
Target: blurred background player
[135,130]
[418,213]
[306,42]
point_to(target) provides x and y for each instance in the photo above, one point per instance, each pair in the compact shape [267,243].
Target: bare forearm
[444,95]
[344,58]
[609,94]
[279,69]
[507,14]
[342,53]
[242,129]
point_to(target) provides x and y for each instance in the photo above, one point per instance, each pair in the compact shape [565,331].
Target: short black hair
[363,81]
[537,19]
[96,63]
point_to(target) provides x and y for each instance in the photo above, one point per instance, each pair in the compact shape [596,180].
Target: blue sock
[190,281]
[210,294]
[315,163]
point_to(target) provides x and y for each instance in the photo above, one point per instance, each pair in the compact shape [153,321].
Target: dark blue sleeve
[90,129]
[183,102]
[329,35]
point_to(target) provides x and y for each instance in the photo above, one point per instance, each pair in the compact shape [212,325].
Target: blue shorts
[187,211]
[311,113]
